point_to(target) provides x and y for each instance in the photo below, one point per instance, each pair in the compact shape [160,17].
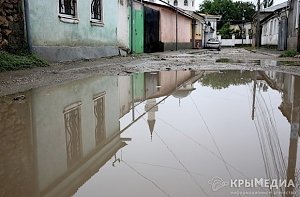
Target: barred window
[67,7]
[96,10]
[175,3]
[186,3]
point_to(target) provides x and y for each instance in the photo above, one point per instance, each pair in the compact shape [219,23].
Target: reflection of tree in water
[224,79]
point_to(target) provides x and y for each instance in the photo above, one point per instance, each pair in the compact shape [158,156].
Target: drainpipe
[131,21]
[176,29]
[27,25]
[193,33]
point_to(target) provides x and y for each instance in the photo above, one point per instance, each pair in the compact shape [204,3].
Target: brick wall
[12,35]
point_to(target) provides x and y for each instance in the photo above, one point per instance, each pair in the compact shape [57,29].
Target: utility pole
[243,21]
[254,95]
[257,33]
[176,30]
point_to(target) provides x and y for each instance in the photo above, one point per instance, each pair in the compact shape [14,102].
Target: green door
[138,31]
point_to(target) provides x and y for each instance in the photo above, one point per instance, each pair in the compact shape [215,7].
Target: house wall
[48,121]
[123,23]
[270,32]
[168,28]
[58,41]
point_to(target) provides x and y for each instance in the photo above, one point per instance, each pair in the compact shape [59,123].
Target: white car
[213,43]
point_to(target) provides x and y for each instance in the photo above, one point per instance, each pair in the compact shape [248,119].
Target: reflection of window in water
[72,118]
[99,110]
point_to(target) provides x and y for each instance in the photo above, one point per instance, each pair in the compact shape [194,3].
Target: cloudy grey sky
[253,1]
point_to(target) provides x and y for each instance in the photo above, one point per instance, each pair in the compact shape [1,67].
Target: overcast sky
[253,1]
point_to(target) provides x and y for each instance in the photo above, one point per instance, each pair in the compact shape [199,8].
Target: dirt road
[202,59]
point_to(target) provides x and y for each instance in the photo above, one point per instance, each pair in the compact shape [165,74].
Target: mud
[18,81]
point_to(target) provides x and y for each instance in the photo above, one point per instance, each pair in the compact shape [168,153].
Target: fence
[233,41]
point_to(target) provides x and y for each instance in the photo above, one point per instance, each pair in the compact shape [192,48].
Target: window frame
[175,3]
[68,17]
[185,3]
[96,21]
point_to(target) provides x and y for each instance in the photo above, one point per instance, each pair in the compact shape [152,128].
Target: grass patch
[289,53]
[10,61]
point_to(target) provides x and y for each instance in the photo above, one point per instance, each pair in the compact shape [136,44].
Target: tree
[267,3]
[226,78]
[230,11]
[225,31]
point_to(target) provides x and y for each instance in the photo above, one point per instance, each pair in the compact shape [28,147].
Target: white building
[274,25]
[182,4]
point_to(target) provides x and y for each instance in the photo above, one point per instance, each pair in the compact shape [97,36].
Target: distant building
[182,4]
[210,28]
[274,26]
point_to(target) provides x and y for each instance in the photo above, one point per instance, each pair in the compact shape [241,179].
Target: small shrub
[289,53]
[10,61]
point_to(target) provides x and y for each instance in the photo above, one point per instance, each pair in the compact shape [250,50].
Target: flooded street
[168,133]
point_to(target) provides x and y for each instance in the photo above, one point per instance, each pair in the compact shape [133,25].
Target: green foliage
[225,31]
[267,3]
[289,53]
[10,61]
[230,11]
[224,79]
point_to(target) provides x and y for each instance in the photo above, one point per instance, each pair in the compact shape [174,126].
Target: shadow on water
[113,135]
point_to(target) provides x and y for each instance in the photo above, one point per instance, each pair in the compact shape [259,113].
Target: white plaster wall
[270,32]
[191,4]
[123,24]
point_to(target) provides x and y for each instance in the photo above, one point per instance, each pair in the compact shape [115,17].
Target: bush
[10,61]
[289,53]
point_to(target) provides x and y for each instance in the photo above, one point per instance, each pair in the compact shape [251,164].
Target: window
[68,7]
[185,3]
[175,3]
[96,11]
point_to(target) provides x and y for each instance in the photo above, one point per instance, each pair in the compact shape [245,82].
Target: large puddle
[172,133]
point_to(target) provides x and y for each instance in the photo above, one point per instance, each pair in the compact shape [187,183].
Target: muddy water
[172,133]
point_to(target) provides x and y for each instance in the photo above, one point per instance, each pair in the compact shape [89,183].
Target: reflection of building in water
[151,108]
[289,85]
[53,139]
[165,82]
[149,85]
[187,88]
[56,138]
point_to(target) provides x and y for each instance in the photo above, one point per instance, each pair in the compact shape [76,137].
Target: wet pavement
[159,133]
